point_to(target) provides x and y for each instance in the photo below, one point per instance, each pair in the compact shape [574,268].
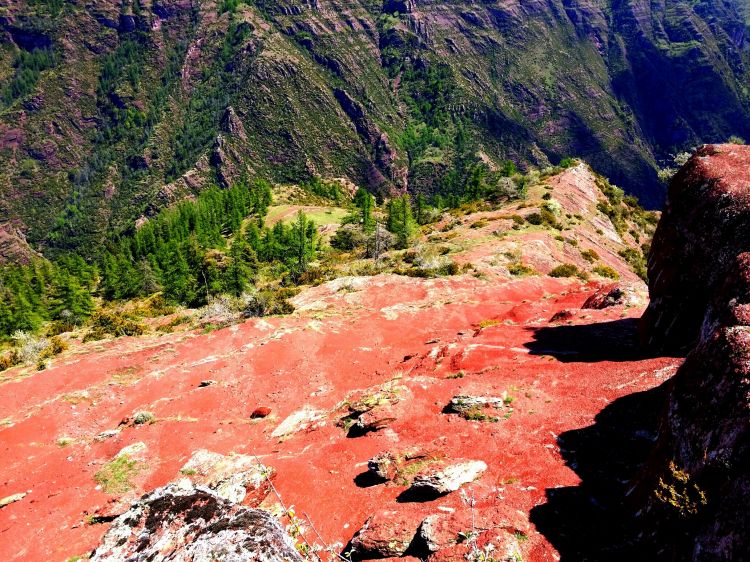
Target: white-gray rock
[449,478]
[186,523]
[230,476]
[463,403]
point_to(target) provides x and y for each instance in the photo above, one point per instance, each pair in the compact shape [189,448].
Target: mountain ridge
[398,95]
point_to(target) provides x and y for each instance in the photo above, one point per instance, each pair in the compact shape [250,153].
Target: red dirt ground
[316,360]
[346,337]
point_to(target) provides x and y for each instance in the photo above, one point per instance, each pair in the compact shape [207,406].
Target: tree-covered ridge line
[199,248]
[137,91]
[213,245]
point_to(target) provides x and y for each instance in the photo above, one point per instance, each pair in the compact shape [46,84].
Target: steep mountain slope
[110,111]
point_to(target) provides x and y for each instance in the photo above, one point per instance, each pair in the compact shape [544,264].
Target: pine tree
[179,285]
[108,272]
[240,269]
[303,241]
[366,202]
[401,221]
[69,300]
[476,184]
[422,208]
[148,279]
[252,236]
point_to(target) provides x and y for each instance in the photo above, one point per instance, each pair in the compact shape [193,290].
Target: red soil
[315,359]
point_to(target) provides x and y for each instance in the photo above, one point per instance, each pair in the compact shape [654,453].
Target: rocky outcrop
[233,477]
[702,230]
[386,168]
[182,522]
[385,534]
[13,245]
[398,466]
[698,481]
[614,294]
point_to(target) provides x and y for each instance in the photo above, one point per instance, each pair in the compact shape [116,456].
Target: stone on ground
[184,523]
[448,479]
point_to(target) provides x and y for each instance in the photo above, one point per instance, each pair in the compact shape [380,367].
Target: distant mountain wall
[109,111]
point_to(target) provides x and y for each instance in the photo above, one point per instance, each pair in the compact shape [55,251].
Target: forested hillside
[110,112]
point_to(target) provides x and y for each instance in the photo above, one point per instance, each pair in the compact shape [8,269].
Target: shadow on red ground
[593,521]
[615,340]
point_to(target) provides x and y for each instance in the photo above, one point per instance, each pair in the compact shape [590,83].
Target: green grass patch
[318,215]
[116,476]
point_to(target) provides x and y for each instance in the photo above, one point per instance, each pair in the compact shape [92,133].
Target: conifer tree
[179,285]
[302,239]
[366,203]
[401,221]
[69,299]
[240,269]
[252,236]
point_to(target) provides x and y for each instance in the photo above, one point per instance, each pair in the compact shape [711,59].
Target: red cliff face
[703,229]
[699,481]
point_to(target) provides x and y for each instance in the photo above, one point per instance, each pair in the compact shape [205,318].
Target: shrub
[566,163]
[590,255]
[379,242]
[606,271]
[154,307]
[545,217]
[636,260]
[519,269]
[7,361]
[478,414]
[270,303]
[60,327]
[57,345]
[107,323]
[565,270]
[535,219]
[220,306]
[29,348]
[116,476]
[428,261]
[349,237]
[142,418]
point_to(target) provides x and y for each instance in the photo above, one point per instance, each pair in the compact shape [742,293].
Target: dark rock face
[181,522]
[697,486]
[702,230]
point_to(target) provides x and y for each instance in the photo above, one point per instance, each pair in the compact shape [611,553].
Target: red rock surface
[413,343]
[703,228]
[697,488]
[316,360]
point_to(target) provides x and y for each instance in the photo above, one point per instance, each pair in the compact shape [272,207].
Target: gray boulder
[186,523]
[448,479]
